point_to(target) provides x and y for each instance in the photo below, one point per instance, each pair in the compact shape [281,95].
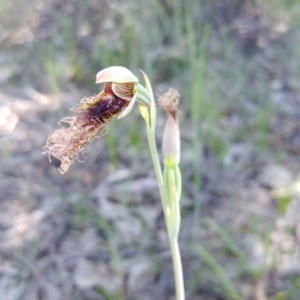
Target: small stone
[238,154]
[275,176]
[140,275]
[86,275]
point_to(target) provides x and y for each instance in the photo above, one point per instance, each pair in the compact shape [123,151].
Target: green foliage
[221,274]
[84,214]
[283,203]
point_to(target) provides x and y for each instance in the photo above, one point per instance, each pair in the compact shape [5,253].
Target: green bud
[172,184]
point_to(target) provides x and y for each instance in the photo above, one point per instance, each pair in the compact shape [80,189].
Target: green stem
[173,241]
[151,122]
[177,269]
[157,167]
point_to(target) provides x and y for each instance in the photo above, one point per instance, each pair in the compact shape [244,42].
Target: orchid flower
[120,92]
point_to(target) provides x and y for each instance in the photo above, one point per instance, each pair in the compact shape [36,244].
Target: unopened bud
[171,154]
[171,139]
[171,142]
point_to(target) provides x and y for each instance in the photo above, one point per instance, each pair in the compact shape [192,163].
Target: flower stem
[150,119]
[178,276]
[177,269]
[157,166]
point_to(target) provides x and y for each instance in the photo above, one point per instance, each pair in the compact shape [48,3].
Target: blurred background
[97,232]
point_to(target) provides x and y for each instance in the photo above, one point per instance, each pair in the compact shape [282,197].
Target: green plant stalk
[156,164]
[178,275]
[150,118]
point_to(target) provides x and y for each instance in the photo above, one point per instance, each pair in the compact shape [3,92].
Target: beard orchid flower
[120,92]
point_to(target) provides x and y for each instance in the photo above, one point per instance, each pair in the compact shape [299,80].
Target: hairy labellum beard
[94,113]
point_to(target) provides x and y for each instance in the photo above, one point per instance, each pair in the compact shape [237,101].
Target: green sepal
[172,185]
[149,114]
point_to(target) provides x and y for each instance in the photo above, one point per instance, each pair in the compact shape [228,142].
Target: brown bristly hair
[169,102]
[67,143]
